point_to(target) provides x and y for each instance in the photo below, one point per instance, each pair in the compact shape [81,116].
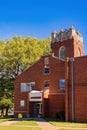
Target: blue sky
[38,18]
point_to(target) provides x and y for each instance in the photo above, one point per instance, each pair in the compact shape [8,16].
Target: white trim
[58,58]
[35,96]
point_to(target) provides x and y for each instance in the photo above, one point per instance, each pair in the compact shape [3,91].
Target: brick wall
[20,96]
[71,46]
[80,91]
[68,44]
[56,104]
[57,99]
[36,74]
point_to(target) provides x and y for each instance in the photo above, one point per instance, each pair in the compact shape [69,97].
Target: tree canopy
[20,53]
[16,55]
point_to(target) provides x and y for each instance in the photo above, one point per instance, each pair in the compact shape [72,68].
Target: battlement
[66,34]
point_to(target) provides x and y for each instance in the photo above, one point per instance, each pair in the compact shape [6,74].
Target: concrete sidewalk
[44,125]
[7,123]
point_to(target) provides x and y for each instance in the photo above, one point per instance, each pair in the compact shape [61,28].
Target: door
[37,109]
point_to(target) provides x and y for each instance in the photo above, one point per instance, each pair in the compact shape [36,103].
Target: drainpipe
[72,77]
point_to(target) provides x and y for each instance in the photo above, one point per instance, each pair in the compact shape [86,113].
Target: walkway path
[44,125]
[7,123]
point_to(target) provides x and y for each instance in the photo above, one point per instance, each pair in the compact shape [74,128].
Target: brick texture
[36,74]
[55,99]
[80,91]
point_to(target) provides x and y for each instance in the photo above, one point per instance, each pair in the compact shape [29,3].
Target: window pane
[26,87]
[22,103]
[62,84]
[46,61]
[33,85]
[46,70]
[23,87]
[62,53]
[46,84]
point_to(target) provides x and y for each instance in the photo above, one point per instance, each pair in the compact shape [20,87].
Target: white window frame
[22,103]
[26,87]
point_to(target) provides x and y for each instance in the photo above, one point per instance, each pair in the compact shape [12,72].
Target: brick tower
[67,43]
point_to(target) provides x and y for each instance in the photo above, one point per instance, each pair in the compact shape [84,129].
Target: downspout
[72,82]
[67,90]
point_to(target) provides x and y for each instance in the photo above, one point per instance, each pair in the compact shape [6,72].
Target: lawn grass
[17,128]
[23,125]
[69,124]
[66,124]
[26,123]
[6,119]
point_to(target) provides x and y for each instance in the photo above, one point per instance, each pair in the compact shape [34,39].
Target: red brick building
[57,82]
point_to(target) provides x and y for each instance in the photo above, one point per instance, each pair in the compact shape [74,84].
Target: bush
[20,115]
[60,115]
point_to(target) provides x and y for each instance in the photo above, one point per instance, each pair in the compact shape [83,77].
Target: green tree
[6,93]
[5,104]
[16,55]
[20,53]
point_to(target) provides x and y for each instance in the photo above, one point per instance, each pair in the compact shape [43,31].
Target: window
[46,61]
[46,70]
[22,103]
[62,53]
[62,83]
[32,85]
[26,87]
[46,84]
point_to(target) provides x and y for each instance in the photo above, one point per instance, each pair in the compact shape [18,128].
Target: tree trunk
[2,112]
[7,108]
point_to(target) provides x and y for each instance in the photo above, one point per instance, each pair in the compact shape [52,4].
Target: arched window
[62,53]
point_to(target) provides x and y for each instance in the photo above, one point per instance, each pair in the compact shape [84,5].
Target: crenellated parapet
[66,34]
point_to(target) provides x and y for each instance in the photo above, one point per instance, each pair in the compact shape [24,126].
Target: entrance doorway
[37,109]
